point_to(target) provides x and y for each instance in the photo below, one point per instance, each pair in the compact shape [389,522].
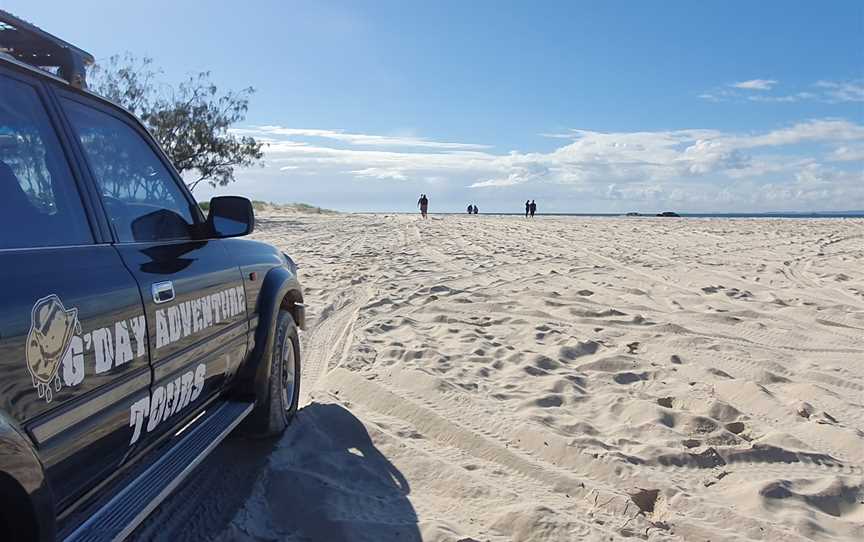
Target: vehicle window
[141,197]
[39,201]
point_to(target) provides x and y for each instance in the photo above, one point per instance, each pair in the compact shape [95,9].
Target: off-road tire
[272,415]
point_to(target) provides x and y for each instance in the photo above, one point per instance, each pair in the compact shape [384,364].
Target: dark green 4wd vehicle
[135,333]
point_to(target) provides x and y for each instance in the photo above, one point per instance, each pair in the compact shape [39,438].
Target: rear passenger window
[39,201]
[141,197]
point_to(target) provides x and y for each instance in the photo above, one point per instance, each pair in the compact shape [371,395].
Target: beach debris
[805,409]
[826,418]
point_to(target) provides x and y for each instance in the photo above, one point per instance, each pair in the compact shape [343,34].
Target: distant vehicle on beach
[669,214]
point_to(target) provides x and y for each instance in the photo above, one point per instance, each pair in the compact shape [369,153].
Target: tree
[191,121]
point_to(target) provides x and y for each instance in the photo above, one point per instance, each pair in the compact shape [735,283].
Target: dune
[495,378]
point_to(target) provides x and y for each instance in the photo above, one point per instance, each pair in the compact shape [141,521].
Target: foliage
[190,121]
[260,205]
[306,208]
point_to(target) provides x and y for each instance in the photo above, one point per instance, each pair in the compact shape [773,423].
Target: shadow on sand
[328,482]
[324,480]
[204,505]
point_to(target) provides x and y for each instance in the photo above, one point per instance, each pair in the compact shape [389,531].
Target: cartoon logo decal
[52,327]
[56,346]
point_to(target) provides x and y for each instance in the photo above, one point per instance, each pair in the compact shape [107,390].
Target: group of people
[423,203]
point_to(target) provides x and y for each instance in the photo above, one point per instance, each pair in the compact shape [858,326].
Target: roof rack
[31,45]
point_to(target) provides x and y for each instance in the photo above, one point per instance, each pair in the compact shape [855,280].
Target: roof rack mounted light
[32,45]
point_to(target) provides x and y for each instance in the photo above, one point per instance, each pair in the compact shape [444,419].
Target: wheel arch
[292,302]
[25,495]
[280,290]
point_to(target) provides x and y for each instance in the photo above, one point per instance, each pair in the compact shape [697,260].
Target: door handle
[163,292]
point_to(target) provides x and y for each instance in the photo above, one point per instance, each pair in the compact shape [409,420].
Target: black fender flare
[280,290]
[22,472]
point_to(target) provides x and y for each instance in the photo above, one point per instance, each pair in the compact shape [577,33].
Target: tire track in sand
[329,341]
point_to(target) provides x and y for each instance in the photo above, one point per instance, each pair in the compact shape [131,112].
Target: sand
[497,378]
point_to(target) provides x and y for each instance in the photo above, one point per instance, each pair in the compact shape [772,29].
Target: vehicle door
[73,341]
[192,290]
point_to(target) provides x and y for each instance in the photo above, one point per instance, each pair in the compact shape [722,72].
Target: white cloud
[788,98]
[827,130]
[852,153]
[366,140]
[380,173]
[830,92]
[755,84]
[810,164]
[518,173]
[846,91]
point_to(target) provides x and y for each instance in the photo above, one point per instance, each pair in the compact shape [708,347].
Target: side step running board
[118,518]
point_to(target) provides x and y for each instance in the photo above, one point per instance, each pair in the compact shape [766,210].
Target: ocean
[844,214]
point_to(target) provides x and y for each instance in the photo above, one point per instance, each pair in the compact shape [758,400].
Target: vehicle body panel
[253,257]
[203,326]
[98,322]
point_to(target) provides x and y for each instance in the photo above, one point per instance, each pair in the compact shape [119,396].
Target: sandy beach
[495,378]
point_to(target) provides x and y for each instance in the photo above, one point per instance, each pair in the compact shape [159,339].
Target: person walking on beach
[527,208]
[470,209]
[423,202]
[532,208]
[476,210]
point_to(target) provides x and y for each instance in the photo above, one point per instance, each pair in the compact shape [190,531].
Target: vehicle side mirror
[230,216]
[161,224]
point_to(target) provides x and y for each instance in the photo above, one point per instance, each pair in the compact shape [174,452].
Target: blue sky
[583,106]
